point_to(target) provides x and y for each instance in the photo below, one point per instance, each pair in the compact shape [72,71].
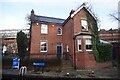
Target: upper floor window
[43,46]
[84,24]
[44,29]
[88,45]
[59,31]
[79,45]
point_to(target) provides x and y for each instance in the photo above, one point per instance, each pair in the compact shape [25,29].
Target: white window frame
[79,42]
[59,29]
[84,24]
[67,48]
[88,42]
[42,42]
[44,29]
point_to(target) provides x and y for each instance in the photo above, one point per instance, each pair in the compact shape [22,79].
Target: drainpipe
[74,54]
[74,37]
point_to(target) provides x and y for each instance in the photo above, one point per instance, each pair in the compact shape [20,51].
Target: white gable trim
[72,15]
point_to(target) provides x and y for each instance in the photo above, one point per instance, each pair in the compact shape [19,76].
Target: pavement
[67,72]
[110,72]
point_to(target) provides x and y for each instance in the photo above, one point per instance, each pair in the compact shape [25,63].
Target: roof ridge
[49,17]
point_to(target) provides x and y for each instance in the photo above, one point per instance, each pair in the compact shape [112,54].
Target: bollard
[23,71]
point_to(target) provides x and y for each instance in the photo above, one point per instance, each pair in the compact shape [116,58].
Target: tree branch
[116,18]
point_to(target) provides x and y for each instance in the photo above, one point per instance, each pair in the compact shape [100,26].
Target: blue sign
[16,63]
[39,64]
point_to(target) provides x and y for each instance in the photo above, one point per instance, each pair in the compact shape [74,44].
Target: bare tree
[116,16]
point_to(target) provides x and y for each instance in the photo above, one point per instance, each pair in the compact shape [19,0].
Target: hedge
[49,63]
[105,52]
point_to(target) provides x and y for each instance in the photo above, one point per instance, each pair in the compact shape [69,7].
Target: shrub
[50,64]
[105,52]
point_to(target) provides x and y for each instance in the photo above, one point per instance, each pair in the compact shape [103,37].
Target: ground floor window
[67,48]
[88,45]
[79,45]
[43,46]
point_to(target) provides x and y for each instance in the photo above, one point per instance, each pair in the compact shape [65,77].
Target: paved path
[68,71]
[101,73]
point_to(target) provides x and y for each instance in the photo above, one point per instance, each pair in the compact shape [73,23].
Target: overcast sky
[14,12]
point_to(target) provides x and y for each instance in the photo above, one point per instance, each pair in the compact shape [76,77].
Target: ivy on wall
[102,52]
[95,37]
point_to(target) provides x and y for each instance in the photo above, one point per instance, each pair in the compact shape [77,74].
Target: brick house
[69,37]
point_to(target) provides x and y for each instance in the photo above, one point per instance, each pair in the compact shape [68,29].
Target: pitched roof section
[81,7]
[45,19]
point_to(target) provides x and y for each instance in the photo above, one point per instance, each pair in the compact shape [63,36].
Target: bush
[50,64]
[105,52]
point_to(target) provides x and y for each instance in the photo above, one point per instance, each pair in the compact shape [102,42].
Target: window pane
[79,41]
[88,41]
[84,24]
[44,29]
[88,44]
[67,48]
[79,45]
[59,31]
[43,47]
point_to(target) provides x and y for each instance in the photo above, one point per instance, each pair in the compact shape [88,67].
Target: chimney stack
[32,12]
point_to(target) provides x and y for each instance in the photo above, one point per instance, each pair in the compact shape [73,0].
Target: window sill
[44,33]
[79,51]
[59,34]
[43,51]
[84,30]
[88,50]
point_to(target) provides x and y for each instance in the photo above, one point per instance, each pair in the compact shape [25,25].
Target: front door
[59,50]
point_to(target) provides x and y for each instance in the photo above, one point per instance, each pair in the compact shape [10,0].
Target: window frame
[44,29]
[67,48]
[84,24]
[44,46]
[79,42]
[59,29]
[89,43]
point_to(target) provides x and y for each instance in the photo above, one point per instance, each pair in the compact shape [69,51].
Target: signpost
[16,63]
[40,64]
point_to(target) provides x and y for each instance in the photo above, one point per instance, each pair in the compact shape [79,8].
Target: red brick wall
[84,59]
[77,20]
[80,60]
[68,38]
[51,37]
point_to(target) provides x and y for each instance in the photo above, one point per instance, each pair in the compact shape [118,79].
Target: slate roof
[45,19]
